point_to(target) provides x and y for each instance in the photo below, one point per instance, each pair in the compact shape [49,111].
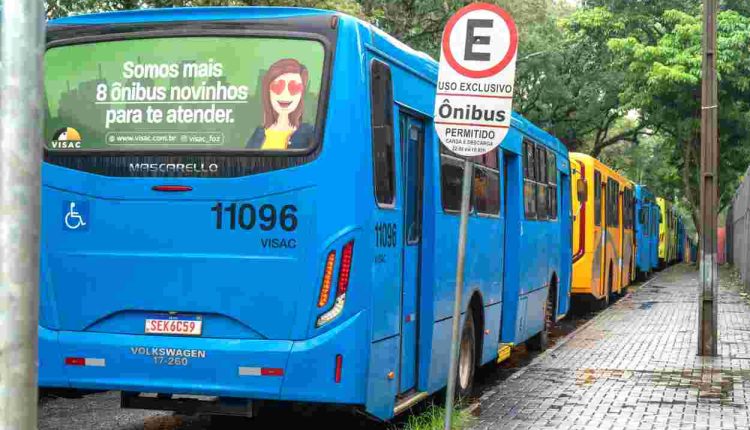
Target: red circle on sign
[497,68]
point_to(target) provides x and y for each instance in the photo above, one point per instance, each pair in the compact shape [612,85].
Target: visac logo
[66,138]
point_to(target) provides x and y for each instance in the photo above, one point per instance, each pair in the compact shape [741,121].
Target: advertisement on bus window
[186,94]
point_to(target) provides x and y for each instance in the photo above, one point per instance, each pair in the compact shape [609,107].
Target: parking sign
[474,97]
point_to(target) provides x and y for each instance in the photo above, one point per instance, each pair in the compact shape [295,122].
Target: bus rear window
[184,94]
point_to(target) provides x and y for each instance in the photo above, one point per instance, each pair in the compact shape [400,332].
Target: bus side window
[608,204]
[629,211]
[541,185]
[487,184]
[616,204]
[451,176]
[529,177]
[381,97]
[613,194]
[597,198]
[552,185]
[610,199]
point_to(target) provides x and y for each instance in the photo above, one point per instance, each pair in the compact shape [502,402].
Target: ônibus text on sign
[474,96]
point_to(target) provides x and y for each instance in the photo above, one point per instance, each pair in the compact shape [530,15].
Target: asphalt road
[101,411]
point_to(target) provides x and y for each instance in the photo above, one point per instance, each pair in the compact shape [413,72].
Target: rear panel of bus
[628,245]
[644,229]
[667,232]
[183,249]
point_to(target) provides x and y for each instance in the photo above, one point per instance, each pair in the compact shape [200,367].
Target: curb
[572,334]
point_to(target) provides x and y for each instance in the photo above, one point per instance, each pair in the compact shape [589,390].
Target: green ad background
[73,72]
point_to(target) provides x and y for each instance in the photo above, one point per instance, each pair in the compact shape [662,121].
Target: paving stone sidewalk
[635,367]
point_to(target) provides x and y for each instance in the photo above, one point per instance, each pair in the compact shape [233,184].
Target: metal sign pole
[709,275]
[20,161]
[479,46]
[465,200]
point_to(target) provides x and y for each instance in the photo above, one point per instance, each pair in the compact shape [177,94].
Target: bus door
[655,236]
[600,233]
[566,243]
[412,150]
[618,232]
[622,261]
[606,251]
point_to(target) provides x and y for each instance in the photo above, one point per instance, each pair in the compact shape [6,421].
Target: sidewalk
[635,367]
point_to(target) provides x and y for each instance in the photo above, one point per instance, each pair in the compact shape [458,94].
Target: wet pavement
[634,366]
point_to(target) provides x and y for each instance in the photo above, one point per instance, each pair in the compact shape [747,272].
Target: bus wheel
[466,359]
[604,301]
[540,341]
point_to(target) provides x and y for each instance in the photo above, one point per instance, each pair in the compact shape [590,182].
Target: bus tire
[640,275]
[466,359]
[540,341]
[604,301]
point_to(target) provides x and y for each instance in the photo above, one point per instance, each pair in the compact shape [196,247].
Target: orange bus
[603,230]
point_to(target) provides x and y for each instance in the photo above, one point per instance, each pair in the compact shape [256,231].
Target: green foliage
[434,418]
[59,8]
[571,90]
[741,6]
[663,82]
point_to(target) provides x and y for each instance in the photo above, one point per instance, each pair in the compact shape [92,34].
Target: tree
[663,82]
[60,8]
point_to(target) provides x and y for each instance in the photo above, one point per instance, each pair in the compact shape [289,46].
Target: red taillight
[270,371]
[75,361]
[172,188]
[345,269]
[325,287]
[343,285]
[339,365]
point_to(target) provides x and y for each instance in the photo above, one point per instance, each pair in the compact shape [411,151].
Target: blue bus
[647,231]
[680,239]
[248,205]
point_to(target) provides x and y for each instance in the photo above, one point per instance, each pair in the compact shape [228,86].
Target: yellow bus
[667,232]
[603,230]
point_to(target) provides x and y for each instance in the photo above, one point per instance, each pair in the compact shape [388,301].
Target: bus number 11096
[267,217]
[385,235]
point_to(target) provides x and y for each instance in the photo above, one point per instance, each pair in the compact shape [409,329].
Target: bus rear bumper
[256,369]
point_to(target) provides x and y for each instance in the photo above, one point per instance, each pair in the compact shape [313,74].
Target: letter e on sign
[476,80]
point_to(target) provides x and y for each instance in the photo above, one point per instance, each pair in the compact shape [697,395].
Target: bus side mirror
[582,190]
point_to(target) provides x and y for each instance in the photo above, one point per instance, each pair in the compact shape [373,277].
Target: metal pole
[455,336]
[709,179]
[20,160]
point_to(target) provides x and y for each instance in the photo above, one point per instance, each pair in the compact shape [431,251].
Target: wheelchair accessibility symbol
[76,215]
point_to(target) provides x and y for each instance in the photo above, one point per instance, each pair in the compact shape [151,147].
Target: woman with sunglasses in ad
[282,93]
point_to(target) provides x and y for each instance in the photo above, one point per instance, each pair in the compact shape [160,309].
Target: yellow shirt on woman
[276,140]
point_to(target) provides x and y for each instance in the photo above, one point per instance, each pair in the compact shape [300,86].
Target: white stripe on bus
[96,362]
[249,371]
